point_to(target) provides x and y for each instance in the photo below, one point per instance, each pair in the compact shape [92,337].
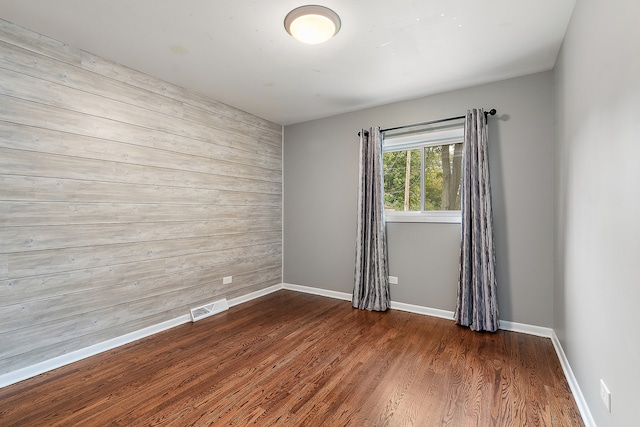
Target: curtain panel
[477,304]
[371,287]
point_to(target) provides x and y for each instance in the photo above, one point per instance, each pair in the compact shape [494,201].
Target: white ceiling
[238,52]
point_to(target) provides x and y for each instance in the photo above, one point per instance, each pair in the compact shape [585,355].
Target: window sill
[449,217]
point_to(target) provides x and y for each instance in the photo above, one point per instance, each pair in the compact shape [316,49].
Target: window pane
[442,177]
[402,180]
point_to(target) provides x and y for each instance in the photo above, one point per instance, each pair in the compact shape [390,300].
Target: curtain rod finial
[490,112]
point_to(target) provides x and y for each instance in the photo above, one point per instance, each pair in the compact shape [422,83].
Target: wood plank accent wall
[124,200]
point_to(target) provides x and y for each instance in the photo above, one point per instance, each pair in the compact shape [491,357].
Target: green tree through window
[422,176]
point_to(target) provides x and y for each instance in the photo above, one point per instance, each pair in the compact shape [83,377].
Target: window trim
[422,140]
[451,217]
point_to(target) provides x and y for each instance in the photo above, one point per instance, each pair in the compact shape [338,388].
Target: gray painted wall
[320,181]
[597,283]
[124,200]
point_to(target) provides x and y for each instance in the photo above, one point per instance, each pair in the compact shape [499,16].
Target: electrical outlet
[227,280]
[393,280]
[605,395]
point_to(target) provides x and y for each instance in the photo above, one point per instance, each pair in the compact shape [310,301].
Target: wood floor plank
[292,359]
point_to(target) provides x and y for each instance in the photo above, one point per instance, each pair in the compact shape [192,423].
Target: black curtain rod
[448,119]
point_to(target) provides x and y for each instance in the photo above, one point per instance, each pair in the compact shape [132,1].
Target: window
[422,175]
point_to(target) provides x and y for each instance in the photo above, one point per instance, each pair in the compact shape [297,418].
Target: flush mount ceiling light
[312,24]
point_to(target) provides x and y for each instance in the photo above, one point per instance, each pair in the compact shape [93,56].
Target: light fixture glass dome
[312,24]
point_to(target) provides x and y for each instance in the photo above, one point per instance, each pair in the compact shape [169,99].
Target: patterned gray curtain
[371,288]
[477,305]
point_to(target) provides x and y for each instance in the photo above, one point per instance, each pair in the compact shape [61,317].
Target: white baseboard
[526,328]
[418,309]
[253,295]
[347,297]
[74,356]
[317,291]
[581,402]
[65,359]
[504,325]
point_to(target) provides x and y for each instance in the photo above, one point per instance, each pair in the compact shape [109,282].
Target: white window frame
[422,140]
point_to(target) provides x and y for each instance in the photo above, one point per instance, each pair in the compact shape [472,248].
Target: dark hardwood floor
[293,359]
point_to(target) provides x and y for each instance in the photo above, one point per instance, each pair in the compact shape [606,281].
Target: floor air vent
[210,309]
